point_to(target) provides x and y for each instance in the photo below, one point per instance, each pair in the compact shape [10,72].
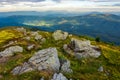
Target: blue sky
[58,5]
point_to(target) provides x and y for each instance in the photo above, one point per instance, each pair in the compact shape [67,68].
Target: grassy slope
[84,69]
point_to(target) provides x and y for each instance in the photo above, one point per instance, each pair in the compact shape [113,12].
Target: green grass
[83,69]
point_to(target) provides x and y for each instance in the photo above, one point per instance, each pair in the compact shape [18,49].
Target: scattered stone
[36,35]
[101,69]
[30,46]
[21,29]
[59,76]
[10,51]
[66,67]
[46,59]
[59,35]
[82,48]
[22,69]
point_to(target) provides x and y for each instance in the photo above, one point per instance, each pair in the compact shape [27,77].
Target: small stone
[30,47]
[42,78]
[38,37]
[101,69]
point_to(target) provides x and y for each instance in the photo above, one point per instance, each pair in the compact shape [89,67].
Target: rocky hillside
[39,55]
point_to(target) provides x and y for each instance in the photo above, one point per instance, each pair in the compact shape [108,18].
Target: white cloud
[67,5]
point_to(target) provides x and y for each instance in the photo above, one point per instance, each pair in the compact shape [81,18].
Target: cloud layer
[67,5]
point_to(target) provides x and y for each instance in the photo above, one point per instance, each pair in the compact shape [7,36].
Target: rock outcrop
[82,48]
[10,51]
[46,59]
[59,35]
[59,76]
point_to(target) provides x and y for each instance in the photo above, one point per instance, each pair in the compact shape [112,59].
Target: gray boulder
[10,51]
[59,76]
[46,59]
[59,35]
[82,48]
[66,67]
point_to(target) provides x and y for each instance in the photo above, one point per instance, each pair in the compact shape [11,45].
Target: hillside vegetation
[104,67]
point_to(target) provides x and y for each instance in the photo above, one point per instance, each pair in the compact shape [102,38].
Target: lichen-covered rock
[82,48]
[66,67]
[22,69]
[59,76]
[46,59]
[59,35]
[10,51]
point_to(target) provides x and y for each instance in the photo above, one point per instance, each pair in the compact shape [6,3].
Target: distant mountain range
[104,25]
[51,13]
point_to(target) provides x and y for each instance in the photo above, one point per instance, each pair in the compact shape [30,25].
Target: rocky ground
[39,55]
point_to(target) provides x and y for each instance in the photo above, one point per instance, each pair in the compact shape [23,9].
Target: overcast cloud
[67,5]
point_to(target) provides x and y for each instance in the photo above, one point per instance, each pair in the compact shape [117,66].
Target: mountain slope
[103,66]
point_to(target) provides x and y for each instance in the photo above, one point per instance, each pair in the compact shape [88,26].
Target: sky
[60,5]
